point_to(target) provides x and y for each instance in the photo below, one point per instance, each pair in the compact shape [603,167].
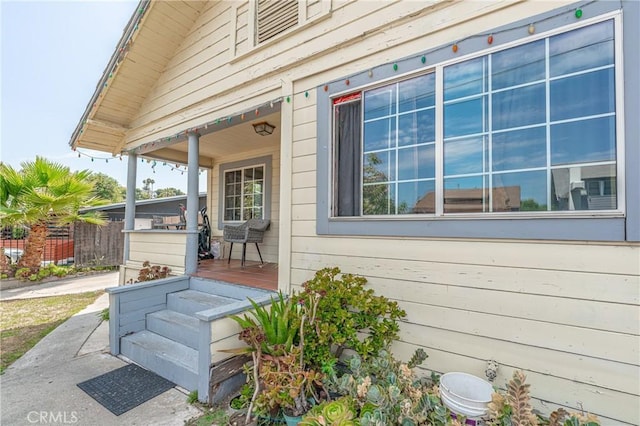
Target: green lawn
[24,322]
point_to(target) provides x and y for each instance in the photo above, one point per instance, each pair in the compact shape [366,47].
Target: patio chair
[252,231]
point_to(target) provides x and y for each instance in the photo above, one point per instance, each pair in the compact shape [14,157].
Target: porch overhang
[149,41]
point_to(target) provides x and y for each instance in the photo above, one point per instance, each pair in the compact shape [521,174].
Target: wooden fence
[98,245]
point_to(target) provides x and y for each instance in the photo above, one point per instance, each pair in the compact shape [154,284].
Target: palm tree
[44,193]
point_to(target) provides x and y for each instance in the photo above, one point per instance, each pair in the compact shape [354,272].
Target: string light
[455,47]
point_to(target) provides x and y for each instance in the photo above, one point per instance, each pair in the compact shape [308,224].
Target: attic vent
[275,17]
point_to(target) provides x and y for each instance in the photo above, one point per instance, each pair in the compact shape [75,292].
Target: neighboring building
[477,161]
[151,211]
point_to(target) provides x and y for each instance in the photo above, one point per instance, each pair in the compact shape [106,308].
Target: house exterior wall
[566,312]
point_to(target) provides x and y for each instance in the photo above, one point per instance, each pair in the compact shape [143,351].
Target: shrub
[340,312]
[23,273]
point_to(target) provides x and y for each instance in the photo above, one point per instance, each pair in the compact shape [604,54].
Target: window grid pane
[516,143]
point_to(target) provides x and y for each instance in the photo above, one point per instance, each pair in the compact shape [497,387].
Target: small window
[244,194]
[275,17]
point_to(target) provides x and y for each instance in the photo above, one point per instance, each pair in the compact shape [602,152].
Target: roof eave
[117,55]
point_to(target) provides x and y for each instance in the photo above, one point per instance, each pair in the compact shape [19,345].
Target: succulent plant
[339,412]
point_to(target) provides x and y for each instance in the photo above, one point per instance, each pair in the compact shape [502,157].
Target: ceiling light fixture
[263,128]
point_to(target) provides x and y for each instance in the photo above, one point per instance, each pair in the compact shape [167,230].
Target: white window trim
[438,69]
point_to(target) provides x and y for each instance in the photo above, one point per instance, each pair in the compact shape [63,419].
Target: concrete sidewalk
[61,286]
[40,388]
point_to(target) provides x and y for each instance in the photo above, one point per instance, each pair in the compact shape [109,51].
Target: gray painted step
[171,360]
[189,302]
[175,326]
[220,288]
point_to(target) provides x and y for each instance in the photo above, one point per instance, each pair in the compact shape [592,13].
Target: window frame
[557,225]
[224,168]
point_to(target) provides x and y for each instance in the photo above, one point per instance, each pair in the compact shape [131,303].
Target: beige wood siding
[568,314]
[164,248]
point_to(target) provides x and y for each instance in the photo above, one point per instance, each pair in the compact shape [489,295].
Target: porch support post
[193,203]
[130,206]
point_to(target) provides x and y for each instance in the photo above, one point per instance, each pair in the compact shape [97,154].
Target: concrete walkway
[40,388]
[61,286]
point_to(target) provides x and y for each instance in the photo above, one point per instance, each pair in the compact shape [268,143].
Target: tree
[168,192]
[147,185]
[107,188]
[44,193]
[142,194]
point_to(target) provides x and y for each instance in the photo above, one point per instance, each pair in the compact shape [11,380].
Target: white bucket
[465,394]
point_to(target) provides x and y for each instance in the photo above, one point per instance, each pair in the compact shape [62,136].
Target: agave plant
[274,329]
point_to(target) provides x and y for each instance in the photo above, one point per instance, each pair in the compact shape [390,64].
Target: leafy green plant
[192,397]
[104,314]
[22,273]
[242,400]
[339,412]
[342,314]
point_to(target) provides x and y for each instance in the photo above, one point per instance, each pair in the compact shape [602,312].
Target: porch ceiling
[148,43]
[225,142]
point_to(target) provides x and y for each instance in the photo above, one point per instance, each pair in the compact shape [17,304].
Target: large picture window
[529,128]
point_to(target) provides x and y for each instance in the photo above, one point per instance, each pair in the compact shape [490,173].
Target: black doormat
[125,388]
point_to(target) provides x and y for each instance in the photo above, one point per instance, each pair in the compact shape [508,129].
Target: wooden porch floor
[253,274]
